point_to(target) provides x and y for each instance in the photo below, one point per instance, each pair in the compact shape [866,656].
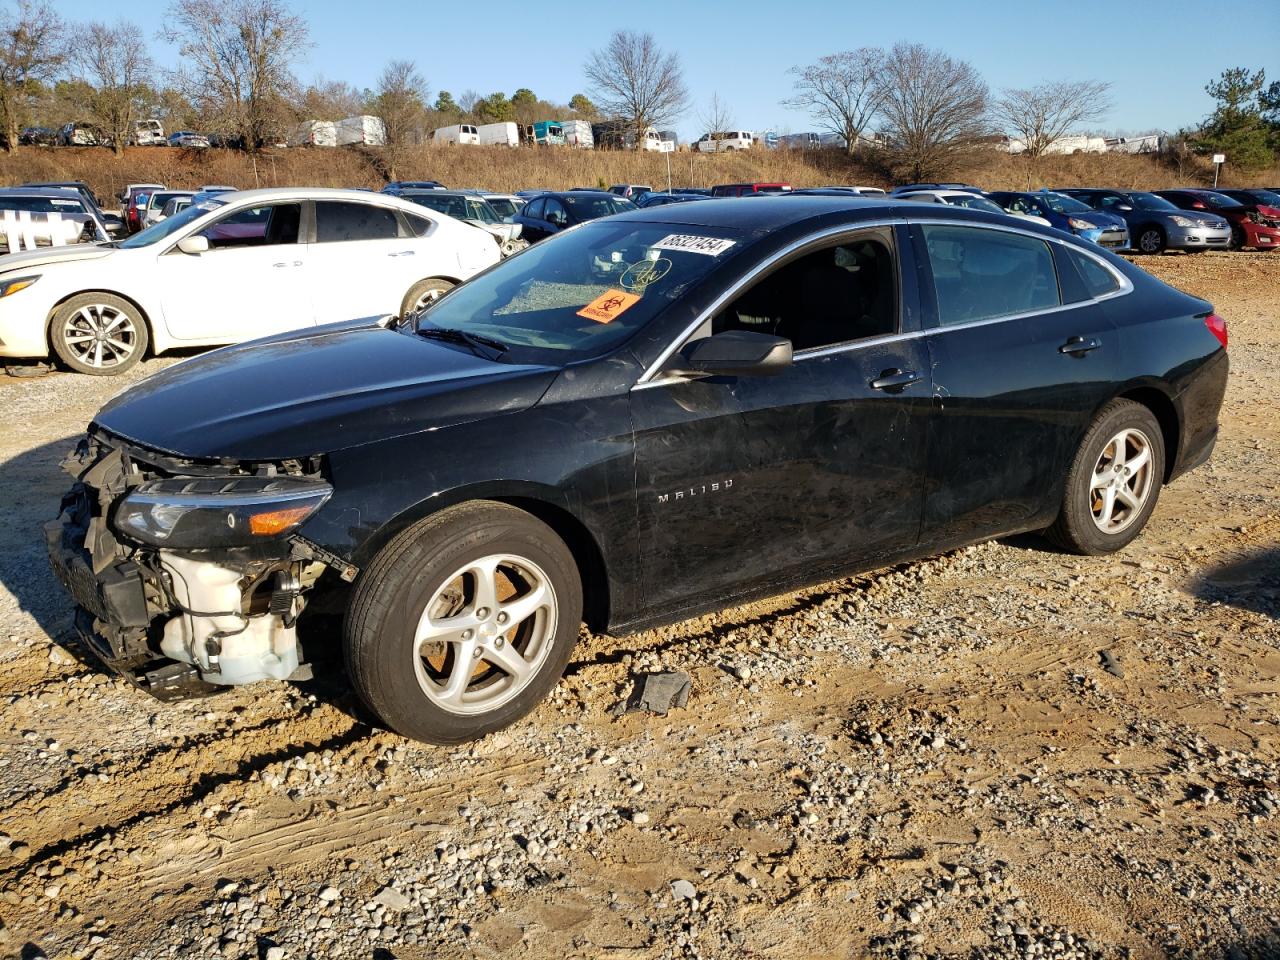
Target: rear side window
[534,209]
[1098,280]
[980,274]
[337,222]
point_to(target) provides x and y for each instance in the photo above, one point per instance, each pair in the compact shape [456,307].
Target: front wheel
[1151,240]
[1113,482]
[99,334]
[424,293]
[463,623]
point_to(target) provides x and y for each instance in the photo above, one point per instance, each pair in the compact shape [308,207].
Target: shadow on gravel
[31,488]
[1251,582]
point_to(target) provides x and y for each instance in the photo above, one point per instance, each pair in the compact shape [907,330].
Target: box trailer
[577,133]
[314,133]
[365,129]
[499,134]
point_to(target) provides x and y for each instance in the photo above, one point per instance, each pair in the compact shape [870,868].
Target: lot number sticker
[609,306]
[710,246]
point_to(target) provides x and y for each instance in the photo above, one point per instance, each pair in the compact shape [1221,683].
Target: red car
[1253,224]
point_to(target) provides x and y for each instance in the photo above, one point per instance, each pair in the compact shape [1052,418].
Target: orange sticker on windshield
[609,306]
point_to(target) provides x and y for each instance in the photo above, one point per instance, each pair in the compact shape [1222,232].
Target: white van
[719,141]
[652,140]
[458,133]
[577,133]
[148,133]
[314,133]
[498,134]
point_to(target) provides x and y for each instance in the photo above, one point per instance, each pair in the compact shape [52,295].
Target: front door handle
[1079,346]
[401,253]
[287,263]
[895,380]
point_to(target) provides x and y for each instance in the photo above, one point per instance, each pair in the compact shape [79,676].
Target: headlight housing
[213,512]
[1182,221]
[1078,224]
[13,284]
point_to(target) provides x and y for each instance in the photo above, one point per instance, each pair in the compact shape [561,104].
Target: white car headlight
[1183,221]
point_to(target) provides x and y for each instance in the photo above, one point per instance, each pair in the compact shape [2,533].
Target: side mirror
[195,245]
[734,353]
[113,224]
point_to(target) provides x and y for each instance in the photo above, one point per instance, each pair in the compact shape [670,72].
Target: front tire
[99,334]
[424,293]
[1113,482]
[463,623]
[1151,240]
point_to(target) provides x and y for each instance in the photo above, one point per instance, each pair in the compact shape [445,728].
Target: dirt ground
[931,760]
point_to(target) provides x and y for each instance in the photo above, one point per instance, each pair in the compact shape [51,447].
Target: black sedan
[549,213]
[659,414]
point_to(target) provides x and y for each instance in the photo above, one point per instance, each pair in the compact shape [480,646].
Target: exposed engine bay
[189,575]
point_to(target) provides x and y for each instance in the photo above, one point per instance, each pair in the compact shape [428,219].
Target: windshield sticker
[709,246]
[639,275]
[609,306]
[65,203]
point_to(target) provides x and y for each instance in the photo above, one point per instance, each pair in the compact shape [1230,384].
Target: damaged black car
[644,419]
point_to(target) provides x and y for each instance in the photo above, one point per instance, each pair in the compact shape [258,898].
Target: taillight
[1218,327]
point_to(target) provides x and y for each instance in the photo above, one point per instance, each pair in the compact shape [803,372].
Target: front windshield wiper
[472,340]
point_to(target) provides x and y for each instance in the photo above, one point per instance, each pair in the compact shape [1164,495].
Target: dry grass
[504,169]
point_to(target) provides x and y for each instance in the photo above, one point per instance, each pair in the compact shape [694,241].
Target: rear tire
[1113,483]
[99,334]
[424,293]
[1150,240]
[463,623]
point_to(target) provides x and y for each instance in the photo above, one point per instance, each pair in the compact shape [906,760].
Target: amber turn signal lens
[277,521]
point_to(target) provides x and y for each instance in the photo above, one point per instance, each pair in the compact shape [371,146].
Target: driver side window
[268,225]
[556,213]
[837,294]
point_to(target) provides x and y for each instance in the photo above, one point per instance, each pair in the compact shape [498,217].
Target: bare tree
[1043,115]
[238,57]
[329,100]
[717,117]
[401,102]
[467,101]
[932,106]
[841,92]
[120,70]
[32,50]
[633,79]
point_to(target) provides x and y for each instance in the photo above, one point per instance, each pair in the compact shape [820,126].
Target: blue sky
[1158,55]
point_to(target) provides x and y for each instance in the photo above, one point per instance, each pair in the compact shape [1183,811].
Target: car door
[361,261]
[533,227]
[758,480]
[250,283]
[1021,361]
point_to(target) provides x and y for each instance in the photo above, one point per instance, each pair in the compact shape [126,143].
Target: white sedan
[967,198]
[231,268]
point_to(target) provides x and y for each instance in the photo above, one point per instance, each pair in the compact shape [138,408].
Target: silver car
[1155,224]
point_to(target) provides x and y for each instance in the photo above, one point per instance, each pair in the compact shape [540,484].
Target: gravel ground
[933,760]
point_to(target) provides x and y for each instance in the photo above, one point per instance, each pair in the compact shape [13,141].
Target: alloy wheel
[485,634]
[1122,481]
[428,297]
[100,336]
[1149,242]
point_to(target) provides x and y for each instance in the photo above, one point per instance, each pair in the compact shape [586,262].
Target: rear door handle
[1079,346]
[895,380]
[401,253]
[288,263]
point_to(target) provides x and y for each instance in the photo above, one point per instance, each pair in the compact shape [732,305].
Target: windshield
[451,205]
[590,208]
[1268,198]
[1149,201]
[479,210]
[1059,203]
[504,208]
[975,202]
[169,226]
[1219,202]
[581,294]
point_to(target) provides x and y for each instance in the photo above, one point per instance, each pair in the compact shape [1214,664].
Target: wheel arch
[1166,413]
[544,503]
[152,347]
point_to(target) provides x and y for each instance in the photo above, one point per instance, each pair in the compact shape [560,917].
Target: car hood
[1099,219]
[317,391]
[46,255]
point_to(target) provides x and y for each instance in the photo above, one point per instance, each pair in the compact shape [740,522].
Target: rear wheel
[1113,482]
[1151,240]
[463,623]
[99,334]
[424,293]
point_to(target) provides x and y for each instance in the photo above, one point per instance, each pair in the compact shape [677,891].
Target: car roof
[741,213]
[581,193]
[51,193]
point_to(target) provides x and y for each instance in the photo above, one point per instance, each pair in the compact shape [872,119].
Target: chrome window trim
[650,376]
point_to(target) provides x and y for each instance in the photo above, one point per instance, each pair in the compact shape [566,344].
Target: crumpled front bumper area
[176,623]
